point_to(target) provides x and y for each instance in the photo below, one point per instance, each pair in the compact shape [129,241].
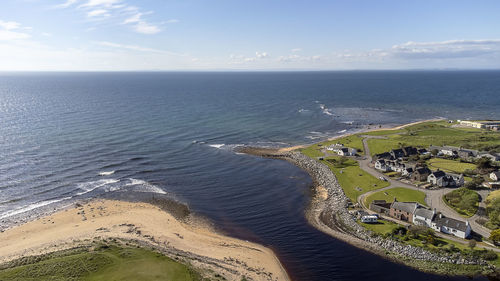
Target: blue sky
[248,35]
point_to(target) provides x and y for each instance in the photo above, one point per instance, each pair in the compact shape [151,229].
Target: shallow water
[66,136]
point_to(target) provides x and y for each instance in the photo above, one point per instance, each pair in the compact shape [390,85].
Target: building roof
[452,223]
[408,207]
[423,170]
[439,174]
[425,213]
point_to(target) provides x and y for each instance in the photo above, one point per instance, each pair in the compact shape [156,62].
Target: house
[369,219]
[385,156]
[407,172]
[452,226]
[344,151]
[380,206]
[410,150]
[487,124]
[381,165]
[437,178]
[495,176]
[397,153]
[449,151]
[457,180]
[491,156]
[420,174]
[467,153]
[403,210]
[423,216]
[492,185]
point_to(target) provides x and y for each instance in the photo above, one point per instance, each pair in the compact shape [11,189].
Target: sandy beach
[200,245]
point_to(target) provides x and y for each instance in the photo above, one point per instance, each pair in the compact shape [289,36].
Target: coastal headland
[182,237]
[330,210]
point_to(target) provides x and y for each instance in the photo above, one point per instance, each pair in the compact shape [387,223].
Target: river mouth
[114,133]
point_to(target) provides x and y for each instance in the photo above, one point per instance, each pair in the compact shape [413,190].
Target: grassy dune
[104,263]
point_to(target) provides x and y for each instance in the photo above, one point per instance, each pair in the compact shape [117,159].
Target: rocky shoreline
[332,216]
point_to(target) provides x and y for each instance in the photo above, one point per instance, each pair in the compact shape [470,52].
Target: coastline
[191,239]
[328,212]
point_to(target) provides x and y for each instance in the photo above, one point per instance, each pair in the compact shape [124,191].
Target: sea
[78,135]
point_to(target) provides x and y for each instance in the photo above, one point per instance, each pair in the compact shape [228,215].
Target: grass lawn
[436,133]
[381,227]
[103,264]
[353,179]
[463,201]
[451,166]
[402,194]
[312,151]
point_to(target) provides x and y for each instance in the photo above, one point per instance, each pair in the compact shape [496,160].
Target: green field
[451,166]
[312,151]
[402,194]
[381,227]
[463,201]
[105,263]
[350,176]
[436,133]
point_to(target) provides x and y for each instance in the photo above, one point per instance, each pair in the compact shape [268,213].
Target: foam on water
[106,173]
[144,186]
[31,207]
[93,185]
[218,146]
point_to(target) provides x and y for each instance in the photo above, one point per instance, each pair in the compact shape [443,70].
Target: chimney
[440,215]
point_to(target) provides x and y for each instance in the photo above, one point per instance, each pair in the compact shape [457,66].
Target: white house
[381,165]
[345,151]
[423,216]
[452,226]
[369,219]
[495,176]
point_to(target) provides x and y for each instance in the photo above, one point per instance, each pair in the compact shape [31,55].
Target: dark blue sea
[67,136]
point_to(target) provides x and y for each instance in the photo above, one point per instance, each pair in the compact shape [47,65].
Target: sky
[155,35]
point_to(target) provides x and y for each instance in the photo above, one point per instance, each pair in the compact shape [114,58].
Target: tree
[484,163]
[472,244]
[495,236]
[434,152]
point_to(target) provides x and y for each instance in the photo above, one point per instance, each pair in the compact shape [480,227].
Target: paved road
[433,197]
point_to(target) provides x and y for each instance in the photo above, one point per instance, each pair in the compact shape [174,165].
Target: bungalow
[403,152]
[385,156]
[467,153]
[423,216]
[345,151]
[403,210]
[457,180]
[452,226]
[495,176]
[420,174]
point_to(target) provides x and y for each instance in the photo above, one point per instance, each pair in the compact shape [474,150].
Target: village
[408,167]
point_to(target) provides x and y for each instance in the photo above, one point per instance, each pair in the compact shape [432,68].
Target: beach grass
[464,201]
[353,180]
[400,193]
[451,166]
[105,262]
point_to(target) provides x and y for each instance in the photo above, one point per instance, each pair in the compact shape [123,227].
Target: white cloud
[172,21]
[9,25]
[262,55]
[296,50]
[104,3]
[9,30]
[446,49]
[136,48]
[99,12]
[65,4]
[7,35]
[146,28]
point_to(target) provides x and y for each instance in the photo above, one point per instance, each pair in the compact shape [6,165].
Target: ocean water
[68,136]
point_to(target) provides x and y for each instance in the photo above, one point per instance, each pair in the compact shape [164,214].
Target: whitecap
[218,146]
[144,186]
[106,173]
[87,187]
